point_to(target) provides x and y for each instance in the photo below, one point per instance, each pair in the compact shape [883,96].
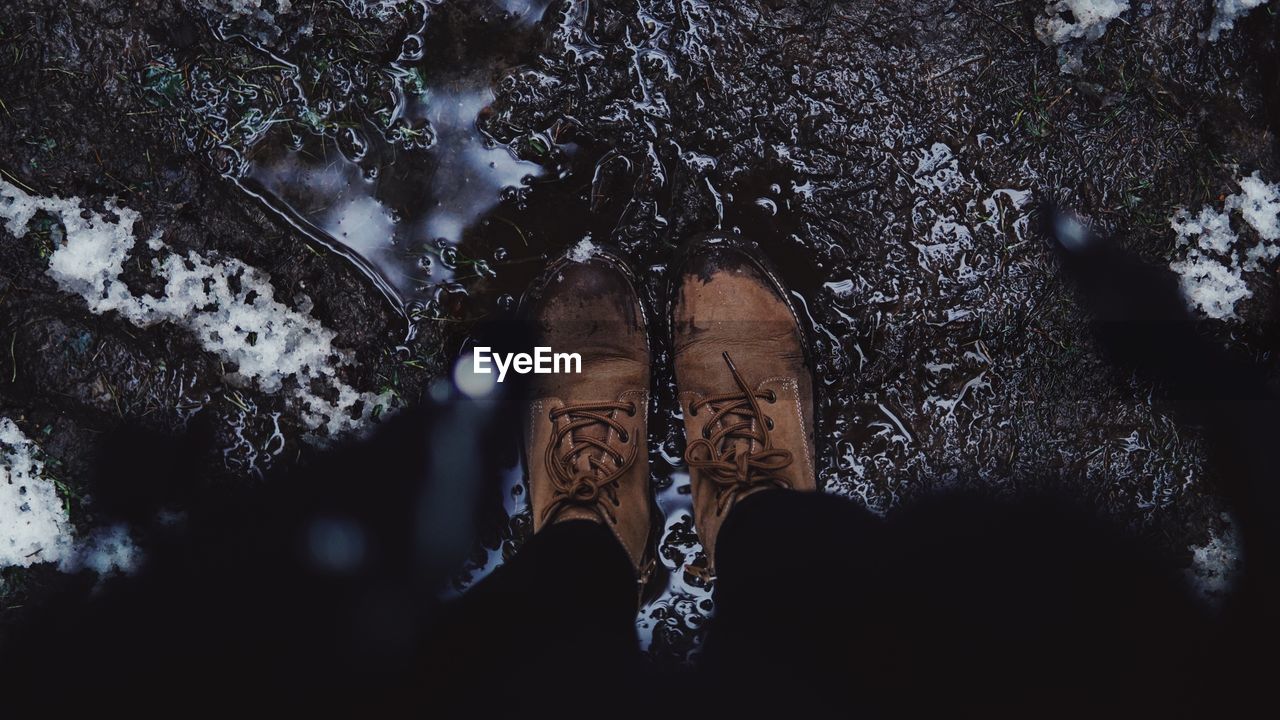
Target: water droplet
[353,144]
[412,48]
[418,312]
[449,258]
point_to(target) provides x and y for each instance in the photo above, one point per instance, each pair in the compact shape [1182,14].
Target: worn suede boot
[745,385]
[586,448]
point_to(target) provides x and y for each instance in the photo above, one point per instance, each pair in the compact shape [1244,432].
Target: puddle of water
[526,11]
[397,184]
[399,214]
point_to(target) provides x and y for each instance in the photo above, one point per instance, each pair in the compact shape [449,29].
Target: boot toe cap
[596,289]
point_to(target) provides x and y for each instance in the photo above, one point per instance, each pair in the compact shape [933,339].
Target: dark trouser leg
[553,630]
[959,602]
[790,567]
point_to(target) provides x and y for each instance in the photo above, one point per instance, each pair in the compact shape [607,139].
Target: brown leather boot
[586,449]
[745,385]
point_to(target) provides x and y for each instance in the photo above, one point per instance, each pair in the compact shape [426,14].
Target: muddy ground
[887,155]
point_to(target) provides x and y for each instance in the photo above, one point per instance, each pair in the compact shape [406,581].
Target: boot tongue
[743,413]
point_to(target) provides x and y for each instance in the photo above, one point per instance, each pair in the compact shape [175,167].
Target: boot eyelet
[693,411]
[623,436]
[773,397]
[768,423]
[631,412]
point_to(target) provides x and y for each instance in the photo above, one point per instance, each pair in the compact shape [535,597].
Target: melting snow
[1212,258]
[1259,203]
[1088,19]
[227,305]
[33,524]
[1075,23]
[1225,14]
[34,527]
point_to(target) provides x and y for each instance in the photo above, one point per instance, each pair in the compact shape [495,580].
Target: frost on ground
[1225,14]
[1073,24]
[34,527]
[1212,258]
[227,305]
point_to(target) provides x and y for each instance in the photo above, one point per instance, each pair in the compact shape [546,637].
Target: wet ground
[411,166]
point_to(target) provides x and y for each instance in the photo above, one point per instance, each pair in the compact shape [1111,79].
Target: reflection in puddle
[396,189]
[527,11]
[399,212]
[396,162]
[470,176]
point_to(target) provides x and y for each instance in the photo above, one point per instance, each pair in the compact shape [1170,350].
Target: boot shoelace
[718,457]
[599,486]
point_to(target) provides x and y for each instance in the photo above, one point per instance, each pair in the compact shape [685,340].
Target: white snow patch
[1211,286]
[1259,203]
[583,251]
[34,527]
[33,524]
[1212,259]
[1074,24]
[229,307]
[1088,19]
[1225,14]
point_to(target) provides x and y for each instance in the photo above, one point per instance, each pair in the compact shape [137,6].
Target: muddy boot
[745,385]
[586,449]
